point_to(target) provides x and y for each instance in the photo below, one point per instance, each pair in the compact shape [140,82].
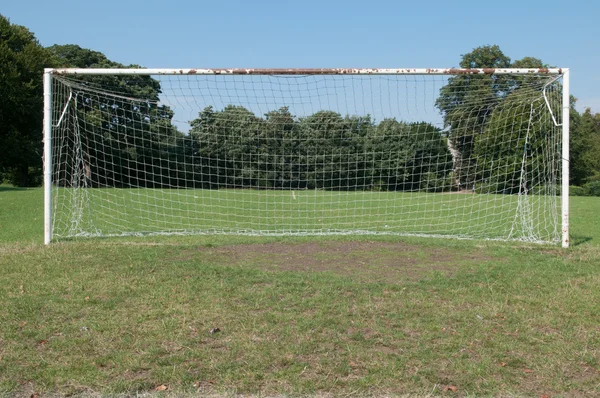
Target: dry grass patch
[365,261]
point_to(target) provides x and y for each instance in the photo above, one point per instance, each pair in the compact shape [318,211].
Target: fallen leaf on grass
[203,383]
[162,387]
[450,388]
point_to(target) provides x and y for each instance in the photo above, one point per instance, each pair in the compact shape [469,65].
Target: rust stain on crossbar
[307,71]
[355,71]
[487,71]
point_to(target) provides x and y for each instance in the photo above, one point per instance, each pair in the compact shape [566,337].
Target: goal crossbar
[308,71]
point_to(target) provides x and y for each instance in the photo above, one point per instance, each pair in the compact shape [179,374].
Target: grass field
[109,212]
[340,316]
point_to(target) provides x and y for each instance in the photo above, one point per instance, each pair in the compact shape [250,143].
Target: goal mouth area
[126,148]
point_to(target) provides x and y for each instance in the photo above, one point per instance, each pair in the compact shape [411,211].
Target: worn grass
[297,316]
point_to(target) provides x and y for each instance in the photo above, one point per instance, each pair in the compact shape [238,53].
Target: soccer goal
[464,153]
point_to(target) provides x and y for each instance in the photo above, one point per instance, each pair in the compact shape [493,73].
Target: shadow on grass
[577,240]
[8,188]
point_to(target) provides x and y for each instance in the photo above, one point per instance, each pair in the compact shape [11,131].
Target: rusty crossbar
[308,71]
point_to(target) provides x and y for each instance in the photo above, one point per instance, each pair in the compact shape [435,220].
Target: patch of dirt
[139,374]
[367,261]
[25,390]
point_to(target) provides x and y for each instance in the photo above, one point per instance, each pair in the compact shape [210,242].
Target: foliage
[333,150]
[314,151]
[225,142]
[515,162]
[235,148]
[592,188]
[575,190]
[421,159]
[467,103]
[585,147]
[22,61]
[115,124]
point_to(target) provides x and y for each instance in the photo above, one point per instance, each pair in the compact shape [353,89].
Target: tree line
[322,151]
[325,150]
[134,144]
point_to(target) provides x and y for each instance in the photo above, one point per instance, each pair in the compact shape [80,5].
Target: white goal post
[464,153]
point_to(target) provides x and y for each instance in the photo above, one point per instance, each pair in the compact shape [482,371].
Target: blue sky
[308,33]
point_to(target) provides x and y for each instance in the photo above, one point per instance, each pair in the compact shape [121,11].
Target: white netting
[475,156]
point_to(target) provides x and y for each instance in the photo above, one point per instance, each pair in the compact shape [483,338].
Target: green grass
[21,215]
[106,212]
[297,316]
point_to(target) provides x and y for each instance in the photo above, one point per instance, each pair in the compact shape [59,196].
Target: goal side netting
[469,155]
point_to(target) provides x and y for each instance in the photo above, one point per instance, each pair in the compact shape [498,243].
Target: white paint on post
[566,113]
[47,156]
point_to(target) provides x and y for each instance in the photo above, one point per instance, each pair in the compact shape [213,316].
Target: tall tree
[407,156]
[585,148]
[228,147]
[468,101]
[331,148]
[130,140]
[22,61]
[512,151]
[279,158]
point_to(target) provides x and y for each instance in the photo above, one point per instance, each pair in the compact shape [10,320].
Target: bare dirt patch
[367,261]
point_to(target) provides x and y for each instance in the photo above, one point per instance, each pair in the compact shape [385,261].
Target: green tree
[280,162]
[74,56]
[235,148]
[431,160]
[332,150]
[205,156]
[585,148]
[408,156]
[22,61]
[129,137]
[228,146]
[390,146]
[508,160]
[467,102]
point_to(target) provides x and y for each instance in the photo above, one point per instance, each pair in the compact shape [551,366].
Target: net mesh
[458,156]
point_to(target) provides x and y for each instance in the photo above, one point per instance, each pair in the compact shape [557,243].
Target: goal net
[456,153]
